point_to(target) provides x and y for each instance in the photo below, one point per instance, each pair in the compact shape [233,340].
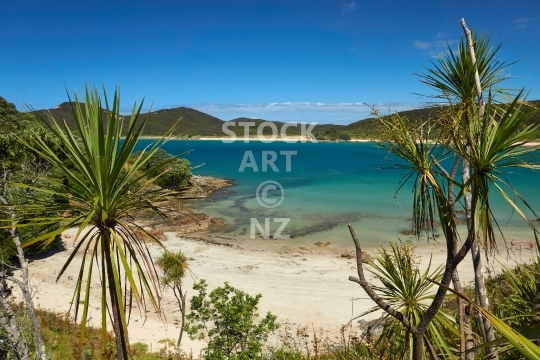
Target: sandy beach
[302,285]
[281,138]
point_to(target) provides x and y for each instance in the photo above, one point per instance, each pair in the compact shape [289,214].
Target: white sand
[301,287]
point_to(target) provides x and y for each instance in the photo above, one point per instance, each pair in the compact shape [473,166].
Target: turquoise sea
[328,186]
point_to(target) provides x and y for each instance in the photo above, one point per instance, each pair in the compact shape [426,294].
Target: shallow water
[328,186]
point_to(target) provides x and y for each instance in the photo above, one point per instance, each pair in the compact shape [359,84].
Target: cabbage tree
[99,194]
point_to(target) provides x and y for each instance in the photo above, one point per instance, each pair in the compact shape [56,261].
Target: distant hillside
[194,123]
[367,128]
[291,131]
[11,120]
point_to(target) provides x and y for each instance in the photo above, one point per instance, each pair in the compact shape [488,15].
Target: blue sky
[277,60]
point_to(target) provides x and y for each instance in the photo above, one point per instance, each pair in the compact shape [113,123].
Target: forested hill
[190,122]
[194,123]
[367,128]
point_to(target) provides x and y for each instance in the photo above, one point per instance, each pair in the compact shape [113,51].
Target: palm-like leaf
[516,288]
[412,144]
[452,74]
[495,141]
[493,145]
[174,267]
[409,291]
[490,142]
[104,192]
[519,341]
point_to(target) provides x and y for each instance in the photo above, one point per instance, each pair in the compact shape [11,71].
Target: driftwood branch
[14,337]
[452,260]
[361,280]
[39,344]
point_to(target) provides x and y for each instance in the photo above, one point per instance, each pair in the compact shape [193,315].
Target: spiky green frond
[452,74]
[409,290]
[499,142]
[417,155]
[103,191]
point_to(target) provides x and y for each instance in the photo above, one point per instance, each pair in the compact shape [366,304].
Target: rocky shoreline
[202,187]
[180,217]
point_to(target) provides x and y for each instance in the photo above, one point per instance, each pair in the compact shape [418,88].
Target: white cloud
[438,43]
[342,113]
[442,35]
[283,106]
[336,113]
[521,23]
[348,7]
[419,44]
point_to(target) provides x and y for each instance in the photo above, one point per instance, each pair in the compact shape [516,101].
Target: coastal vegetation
[192,123]
[225,319]
[488,140]
[87,174]
[174,267]
[511,293]
[174,175]
[409,291]
[99,195]
[19,164]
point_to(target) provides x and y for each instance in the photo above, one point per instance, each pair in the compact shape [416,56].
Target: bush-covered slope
[191,122]
[367,128]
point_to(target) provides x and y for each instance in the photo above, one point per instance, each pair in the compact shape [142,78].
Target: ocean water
[329,185]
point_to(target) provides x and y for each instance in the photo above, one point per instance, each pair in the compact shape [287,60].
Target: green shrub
[225,319]
[344,136]
[176,170]
[7,249]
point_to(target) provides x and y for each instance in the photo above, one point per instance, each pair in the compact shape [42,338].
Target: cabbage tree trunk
[486,327]
[118,328]
[480,286]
